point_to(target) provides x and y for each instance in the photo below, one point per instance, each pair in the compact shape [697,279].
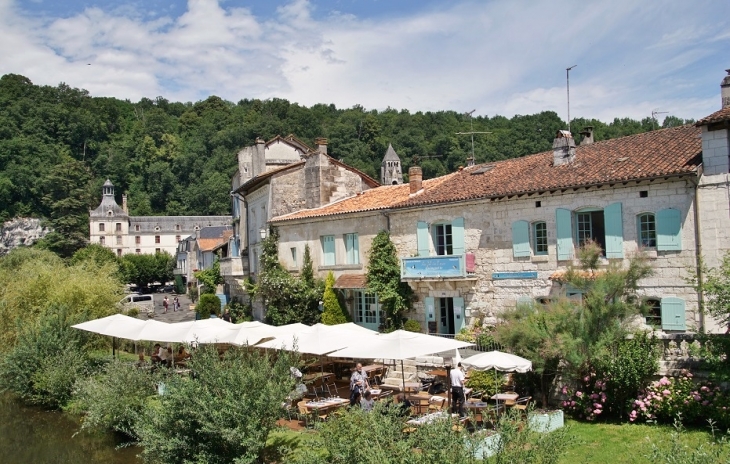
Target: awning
[351,281]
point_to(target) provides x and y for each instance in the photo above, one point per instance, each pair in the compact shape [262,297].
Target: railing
[479,345]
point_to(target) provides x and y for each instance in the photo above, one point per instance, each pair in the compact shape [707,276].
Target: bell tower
[390,168]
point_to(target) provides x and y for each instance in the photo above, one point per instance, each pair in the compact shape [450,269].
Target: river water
[31,435]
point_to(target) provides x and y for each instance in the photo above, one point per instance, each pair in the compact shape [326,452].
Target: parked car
[144,303]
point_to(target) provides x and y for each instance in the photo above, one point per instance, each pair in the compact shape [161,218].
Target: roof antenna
[653,117]
[567,80]
[470,160]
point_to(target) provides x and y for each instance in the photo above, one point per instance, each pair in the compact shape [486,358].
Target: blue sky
[498,57]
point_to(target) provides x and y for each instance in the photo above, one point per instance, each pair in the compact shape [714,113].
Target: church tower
[390,169]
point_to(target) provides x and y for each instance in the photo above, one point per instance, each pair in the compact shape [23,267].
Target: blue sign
[514,275]
[433,267]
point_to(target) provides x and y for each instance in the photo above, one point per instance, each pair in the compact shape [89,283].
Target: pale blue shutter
[422,239]
[613,221]
[459,316]
[668,230]
[564,233]
[457,236]
[328,250]
[430,309]
[356,249]
[673,314]
[520,239]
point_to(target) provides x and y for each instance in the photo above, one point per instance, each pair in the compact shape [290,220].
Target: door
[446,315]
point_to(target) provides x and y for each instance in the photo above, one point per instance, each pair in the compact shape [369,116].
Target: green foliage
[48,357]
[307,274]
[211,277]
[222,414]
[519,443]
[208,304]
[412,326]
[333,312]
[383,279]
[115,398]
[240,312]
[672,449]
[575,335]
[716,287]
[144,269]
[94,254]
[32,281]
[486,382]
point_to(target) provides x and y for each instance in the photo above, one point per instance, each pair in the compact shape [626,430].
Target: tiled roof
[351,281]
[213,237]
[717,116]
[378,198]
[661,153]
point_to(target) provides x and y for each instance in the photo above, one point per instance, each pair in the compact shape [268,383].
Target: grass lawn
[627,443]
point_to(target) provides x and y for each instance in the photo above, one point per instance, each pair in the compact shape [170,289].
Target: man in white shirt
[457,390]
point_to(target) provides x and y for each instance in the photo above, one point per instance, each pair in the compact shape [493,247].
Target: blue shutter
[564,233]
[613,221]
[356,249]
[673,314]
[422,238]
[457,236]
[520,239]
[668,230]
[459,316]
[430,309]
[328,250]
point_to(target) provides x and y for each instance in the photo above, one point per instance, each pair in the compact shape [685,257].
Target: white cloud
[499,57]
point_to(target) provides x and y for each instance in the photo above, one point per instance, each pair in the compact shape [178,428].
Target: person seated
[166,357]
[141,362]
[182,355]
[156,354]
[367,402]
[404,405]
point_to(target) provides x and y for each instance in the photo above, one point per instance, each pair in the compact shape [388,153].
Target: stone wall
[20,232]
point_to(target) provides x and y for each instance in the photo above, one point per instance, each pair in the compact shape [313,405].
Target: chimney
[563,148]
[587,134]
[124,203]
[725,90]
[415,178]
[321,144]
[258,163]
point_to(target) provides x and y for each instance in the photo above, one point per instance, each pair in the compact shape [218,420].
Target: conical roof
[390,154]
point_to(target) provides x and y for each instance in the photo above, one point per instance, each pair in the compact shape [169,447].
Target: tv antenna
[653,117]
[567,81]
[470,160]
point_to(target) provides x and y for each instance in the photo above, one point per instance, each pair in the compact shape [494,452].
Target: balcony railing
[433,267]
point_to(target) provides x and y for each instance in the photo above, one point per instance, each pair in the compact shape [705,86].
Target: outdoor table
[327,404]
[506,397]
[437,372]
[317,376]
[410,386]
[376,392]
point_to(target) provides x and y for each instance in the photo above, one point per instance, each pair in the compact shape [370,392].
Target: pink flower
[596,406]
[586,378]
[666,392]
[579,394]
[565,390]
[664,381]
[598,411]
[705,403]
[704,388]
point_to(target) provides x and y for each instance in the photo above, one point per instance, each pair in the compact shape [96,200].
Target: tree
[333,312]
[383,279]
[94,254]
[142,270]
[211,277]
[716,287]
[577,335]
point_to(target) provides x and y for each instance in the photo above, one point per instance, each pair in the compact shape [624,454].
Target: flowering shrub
[589,400]
[668,398]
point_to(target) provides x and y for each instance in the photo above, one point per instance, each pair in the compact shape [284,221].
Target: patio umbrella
[499,361]
[117,325]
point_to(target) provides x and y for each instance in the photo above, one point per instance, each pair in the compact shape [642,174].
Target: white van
[143,303]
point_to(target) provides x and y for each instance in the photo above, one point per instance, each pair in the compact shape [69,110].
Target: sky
[503,57]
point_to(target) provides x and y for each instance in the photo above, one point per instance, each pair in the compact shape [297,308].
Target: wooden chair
[522,404]
[510,402]
[332,389]
[306,414]
[436,405]
[419,405]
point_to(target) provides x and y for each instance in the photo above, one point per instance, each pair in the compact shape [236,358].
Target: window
[177,239]
[443,239]
[102,240]
[101,227]
[138,251]
[367,309]
[177,226]
[157,250]
[352,249]
[653,312]
[604,227]
[293,256]
[136,228]
[157,239]
[590,227]
[119,252]
[328,250]
[118,227]
[539,238]
[119,239]
[646,230]
[137,239]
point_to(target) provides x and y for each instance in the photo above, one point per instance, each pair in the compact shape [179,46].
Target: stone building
[479,241]
[111,226]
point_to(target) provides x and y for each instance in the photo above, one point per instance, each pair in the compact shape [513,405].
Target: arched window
[646,228]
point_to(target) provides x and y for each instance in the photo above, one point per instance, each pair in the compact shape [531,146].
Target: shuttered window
[539,238]
[673,314]
[457,236]
[564,233]
[646,230]
[520,239]
[613,220]
[422,238]
[328,250]
[352,249]
[443,239]
[669,226]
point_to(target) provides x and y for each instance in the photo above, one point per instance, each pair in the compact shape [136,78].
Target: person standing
[457,391]
[175,303]
[165,303]
[227,315]
[358,384]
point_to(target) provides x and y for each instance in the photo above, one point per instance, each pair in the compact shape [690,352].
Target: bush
[486,382]
[208,304]
[115,398]
[412,326]
[240,312]
[46,361]
[333,313]
[133,311]
[222,414]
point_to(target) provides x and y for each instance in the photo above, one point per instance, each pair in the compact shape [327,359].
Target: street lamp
[262,233]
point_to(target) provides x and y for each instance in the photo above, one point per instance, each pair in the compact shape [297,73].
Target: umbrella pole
[496,388]
[403,376]
[114,354]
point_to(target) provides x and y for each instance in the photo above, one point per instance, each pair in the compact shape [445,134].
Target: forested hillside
[59,144]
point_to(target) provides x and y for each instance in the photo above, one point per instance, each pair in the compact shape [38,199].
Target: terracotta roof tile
[661,153]
[382,197]
[351,281]
[210,244]
[717,116]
